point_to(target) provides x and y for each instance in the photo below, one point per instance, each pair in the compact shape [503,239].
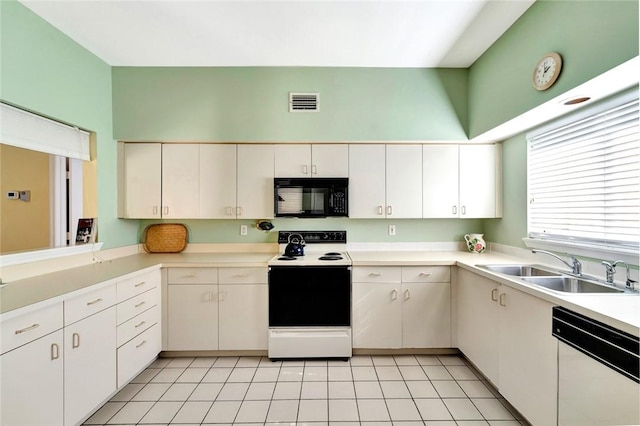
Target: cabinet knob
[380,210]
[305,169]
[314,169]
[394,294]
[407,294]
[389,210]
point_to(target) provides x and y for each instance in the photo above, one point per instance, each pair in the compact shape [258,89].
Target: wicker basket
[165,238]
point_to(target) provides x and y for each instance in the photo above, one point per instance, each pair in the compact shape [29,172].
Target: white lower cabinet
[217,309]
[192,317]
[89,364]
[31,379]
[401,307]
[506,333]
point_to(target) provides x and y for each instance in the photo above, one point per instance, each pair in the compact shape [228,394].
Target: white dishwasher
[598,372]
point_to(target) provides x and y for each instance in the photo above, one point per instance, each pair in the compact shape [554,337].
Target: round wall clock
[547,71]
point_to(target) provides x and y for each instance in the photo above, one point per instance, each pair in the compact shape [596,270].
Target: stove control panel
[311,237]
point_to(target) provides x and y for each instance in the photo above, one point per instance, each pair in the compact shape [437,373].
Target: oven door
[310,296]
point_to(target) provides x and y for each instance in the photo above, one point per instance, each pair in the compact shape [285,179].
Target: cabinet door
[528,355]
[367,181]
[331,160]
[244,321]
[180,181]
[440,181]
[477,319]
[404,181]
[217,181]
[292,160]
[142,175]
[32,383]
[89,364]
[478,181]
[192,317]
[426,315]
[255,182]
[377,315]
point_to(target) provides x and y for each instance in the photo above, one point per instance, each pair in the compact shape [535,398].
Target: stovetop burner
[287,258]
[333,253]
[333,257]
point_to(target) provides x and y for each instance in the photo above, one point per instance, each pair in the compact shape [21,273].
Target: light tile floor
[403,390]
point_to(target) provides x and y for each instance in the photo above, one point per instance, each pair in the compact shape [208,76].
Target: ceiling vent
[303,102]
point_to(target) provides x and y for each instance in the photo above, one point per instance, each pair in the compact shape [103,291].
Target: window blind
[584,178]
[30,131]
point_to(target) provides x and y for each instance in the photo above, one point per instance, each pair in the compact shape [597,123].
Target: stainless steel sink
[571,285]
[520,270]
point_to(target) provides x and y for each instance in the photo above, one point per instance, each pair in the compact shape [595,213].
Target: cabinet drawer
[28,327]
[243,275]
[136,305]
[139,352]
[192,275]
[135,285]
[88,304]
[426,274]
[136,325]
[376,274]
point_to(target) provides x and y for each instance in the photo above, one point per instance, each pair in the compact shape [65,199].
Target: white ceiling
[355,33]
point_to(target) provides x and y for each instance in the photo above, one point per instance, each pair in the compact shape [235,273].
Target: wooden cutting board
[165,238]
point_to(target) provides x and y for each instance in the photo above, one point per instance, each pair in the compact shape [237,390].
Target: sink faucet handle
[610,269]
[576,265]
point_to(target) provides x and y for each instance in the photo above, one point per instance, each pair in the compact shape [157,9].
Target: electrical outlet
[243,229]
[392,230]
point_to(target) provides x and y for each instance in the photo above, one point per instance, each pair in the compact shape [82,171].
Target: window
[584,179]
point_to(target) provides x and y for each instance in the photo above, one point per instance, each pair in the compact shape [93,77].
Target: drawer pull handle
[425,274]
[140,283]
[140,325]
[93,302]
[75,341]
[140,304]
[241,276]
[140,344]
[375,274]
[190,276]
[24,330]
[55,351]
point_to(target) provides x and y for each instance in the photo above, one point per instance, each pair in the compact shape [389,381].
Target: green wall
[251,104]
[44,71]
[591,36]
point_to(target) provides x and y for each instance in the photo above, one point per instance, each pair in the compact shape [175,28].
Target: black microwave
[311,197]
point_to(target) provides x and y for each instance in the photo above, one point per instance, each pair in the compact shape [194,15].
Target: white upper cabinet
[255,181]
[461,181]
[480,192]
[180,180]
[304,160]
[217,181]
[367,198]
[385,181]
[141,181]
[440,181]
[404,183]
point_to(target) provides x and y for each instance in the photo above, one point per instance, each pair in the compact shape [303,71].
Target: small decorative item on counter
[264,225]
[475,243]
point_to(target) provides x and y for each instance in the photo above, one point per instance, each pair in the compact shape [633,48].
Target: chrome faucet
[610,269]
[575,265]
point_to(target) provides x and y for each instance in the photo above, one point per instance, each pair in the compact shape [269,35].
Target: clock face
[546,71]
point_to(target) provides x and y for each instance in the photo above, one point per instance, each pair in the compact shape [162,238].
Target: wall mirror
[48,180]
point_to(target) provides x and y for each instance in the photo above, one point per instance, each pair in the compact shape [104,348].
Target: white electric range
[310,298]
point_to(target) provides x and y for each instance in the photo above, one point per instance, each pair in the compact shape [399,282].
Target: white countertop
[621,311]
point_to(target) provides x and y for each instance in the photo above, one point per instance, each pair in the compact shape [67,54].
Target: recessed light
[575,101]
